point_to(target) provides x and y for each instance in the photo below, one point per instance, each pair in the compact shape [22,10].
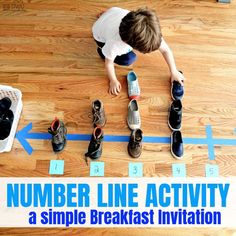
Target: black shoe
[6,120]
[177,90]
[175,115]
[99,51]
[99,118]
[135,143]
[58,131]
[5,104]
[177,149]
[95,145]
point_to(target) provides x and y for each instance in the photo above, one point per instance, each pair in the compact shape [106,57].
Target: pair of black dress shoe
[175,119]
[6,117]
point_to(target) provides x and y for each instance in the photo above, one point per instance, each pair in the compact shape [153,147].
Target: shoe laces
[57,136]
[136,144]
[96,116]
[92,146]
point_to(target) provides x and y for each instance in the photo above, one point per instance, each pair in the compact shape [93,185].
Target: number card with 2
[96,168]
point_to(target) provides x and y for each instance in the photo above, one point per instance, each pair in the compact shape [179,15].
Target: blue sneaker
[177,90]
[133,85]
[175,115]
[177,148]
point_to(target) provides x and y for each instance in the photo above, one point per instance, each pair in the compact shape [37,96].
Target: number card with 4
[179,170]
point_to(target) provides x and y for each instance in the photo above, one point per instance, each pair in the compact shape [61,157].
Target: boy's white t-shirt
[106,30]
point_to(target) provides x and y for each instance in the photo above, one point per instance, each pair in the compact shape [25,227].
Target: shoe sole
[56,152]
[171,126]
[133,128]
[132,155]
[136,97]
[171,142]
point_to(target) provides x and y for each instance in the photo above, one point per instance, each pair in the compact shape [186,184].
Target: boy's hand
[177,76]
[115,87]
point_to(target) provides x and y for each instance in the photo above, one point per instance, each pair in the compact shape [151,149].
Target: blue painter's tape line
[150,139]
[44,136]
[24,134]
[224,1]
[25,144]
[146,139]
[80,137]
[225,142]
[211,152]
[117,138]
[195,140]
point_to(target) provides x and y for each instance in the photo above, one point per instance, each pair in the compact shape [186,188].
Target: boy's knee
[127,59]
[131,60]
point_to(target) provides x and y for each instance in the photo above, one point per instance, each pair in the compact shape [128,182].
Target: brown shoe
[58,131]
[135,143]
[99,118]
[95,145]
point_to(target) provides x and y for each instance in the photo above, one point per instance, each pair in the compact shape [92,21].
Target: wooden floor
[47,51]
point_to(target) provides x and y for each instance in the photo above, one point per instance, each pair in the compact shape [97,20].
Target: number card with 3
[135,169]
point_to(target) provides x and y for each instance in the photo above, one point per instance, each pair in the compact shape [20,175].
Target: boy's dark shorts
[123,60]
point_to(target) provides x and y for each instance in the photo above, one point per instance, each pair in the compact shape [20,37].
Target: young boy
[118,31]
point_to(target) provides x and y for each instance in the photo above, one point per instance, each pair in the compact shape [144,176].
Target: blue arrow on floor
[24,134]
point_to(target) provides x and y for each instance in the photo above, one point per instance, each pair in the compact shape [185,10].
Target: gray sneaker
[133,85]
[133,119]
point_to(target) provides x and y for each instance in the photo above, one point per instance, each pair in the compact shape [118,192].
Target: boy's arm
[115,86]
[169,58]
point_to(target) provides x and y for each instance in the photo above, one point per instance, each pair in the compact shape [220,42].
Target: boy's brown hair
[141,30]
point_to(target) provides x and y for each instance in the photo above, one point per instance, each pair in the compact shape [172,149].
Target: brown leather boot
[99,118]
[135,143]
[95,145]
